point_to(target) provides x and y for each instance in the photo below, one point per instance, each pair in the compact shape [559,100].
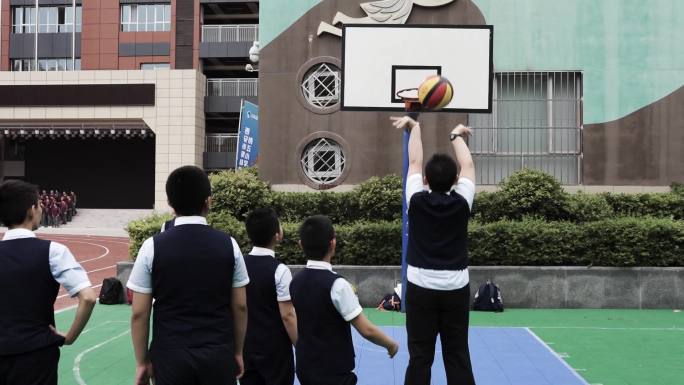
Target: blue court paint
[500,356]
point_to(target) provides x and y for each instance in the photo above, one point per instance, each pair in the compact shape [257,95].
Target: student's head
[441,173]
[317,237]
[19,204]
[263,228]
[188,191]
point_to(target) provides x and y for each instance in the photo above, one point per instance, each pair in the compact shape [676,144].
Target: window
[323,161]
[155,66]
[61,64]
[145,17]
[321,85]
[535,123]
[50,19]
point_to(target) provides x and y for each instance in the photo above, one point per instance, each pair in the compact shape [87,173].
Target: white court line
[103,324]
[65,309]
[67,295]
[79,358]
[104,268]
[106,253]
[573,371]
[676,329]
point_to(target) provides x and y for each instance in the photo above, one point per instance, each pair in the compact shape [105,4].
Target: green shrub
[239,192]
[295,207]
[489,207]
[677,188]
[583,207]
[140,230]
[659,205]
[380,198]
[531,192]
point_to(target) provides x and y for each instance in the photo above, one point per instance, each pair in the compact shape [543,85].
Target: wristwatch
[453,136]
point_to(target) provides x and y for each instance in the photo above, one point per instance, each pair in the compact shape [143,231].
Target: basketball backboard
[380,60]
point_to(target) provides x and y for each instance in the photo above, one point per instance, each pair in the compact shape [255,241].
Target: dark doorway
[104,173]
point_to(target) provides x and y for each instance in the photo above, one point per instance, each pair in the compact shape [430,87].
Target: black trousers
[431,312]
[33,368]
[310,378]
[196,366]
[269,368]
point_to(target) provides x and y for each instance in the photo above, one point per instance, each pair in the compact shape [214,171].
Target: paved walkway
[97,222]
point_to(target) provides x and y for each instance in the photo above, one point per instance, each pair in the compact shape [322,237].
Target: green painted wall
[630,51]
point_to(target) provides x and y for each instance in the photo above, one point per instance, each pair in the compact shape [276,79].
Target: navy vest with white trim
[324,343]
[438,231]
[27,297]
[192,281]
[265,330]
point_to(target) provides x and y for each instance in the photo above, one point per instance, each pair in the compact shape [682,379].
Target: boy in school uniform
[326,305]
[272,323]
[197,277]
[32,270]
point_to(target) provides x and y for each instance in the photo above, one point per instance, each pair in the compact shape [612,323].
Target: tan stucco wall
[177,118]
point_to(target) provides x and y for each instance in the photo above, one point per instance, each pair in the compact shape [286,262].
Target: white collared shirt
[141,277]
[342,294]
[283,275]
[438,279]
[63,266]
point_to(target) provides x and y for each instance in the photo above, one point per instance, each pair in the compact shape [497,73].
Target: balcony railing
[221,143]
[233,87]
[230,33]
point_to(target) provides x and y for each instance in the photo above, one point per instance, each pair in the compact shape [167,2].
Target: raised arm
[415,146]
[463,156]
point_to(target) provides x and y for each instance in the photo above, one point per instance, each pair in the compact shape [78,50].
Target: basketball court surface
[517,347]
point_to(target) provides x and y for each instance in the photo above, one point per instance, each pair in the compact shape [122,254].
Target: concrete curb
[536,286]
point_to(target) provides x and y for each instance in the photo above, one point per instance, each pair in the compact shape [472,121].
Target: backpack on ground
[111,292]
[488,298]
[391,302]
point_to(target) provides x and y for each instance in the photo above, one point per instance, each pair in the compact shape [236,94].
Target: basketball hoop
[410,98]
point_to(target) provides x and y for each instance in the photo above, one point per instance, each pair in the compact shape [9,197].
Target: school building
[588,91]
[106,97]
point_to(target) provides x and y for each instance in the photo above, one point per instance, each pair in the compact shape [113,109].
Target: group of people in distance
[59,208]
[219,316]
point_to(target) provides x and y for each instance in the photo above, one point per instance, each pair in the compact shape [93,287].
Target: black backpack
[488,298]
[111,292]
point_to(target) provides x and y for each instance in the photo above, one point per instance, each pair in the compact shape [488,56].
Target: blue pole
[404,221]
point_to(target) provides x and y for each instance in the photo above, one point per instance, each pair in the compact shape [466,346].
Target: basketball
[435,93]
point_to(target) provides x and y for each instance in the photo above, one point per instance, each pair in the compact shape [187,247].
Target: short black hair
[262,225]
[441,172]
[16,198]
[315,234]
[187,189]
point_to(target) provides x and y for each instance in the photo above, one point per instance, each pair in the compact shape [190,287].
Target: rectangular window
[145,17]
[59,64]
[535,123]
[52,19]
[155,66]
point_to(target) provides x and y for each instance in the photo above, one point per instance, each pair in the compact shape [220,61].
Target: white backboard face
[379,60]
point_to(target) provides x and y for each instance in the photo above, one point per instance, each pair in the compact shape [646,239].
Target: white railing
[221,143]
[233,87]
[229,33]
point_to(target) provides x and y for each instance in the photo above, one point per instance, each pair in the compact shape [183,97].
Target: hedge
[610,242]
[526,193]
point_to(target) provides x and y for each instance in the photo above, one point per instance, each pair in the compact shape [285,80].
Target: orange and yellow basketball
[435,93]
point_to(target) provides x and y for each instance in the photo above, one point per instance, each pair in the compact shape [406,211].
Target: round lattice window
[321,85]
[323,161]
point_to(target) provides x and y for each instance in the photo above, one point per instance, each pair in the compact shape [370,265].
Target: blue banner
[248,136]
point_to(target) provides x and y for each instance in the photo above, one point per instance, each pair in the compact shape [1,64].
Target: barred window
[535,123]
[145,17]
[323,161]
[321,85]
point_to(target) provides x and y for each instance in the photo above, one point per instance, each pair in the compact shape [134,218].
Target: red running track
[97,255]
